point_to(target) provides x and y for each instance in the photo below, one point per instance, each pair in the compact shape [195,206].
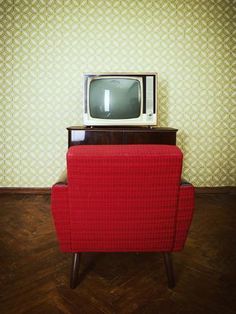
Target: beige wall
[45,46]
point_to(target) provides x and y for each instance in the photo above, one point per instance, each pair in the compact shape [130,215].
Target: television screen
[115,98]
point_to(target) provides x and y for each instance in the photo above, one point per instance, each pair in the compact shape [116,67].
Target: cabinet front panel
[87,136]
[150,138]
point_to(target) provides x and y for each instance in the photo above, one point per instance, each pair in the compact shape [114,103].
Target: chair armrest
[60,213]
[184,214]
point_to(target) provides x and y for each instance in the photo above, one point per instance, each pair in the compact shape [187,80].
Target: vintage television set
[117,99]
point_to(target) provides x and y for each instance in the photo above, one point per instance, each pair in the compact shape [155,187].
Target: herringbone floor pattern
[34,274]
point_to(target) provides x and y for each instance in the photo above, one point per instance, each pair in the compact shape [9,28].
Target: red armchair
[122,198]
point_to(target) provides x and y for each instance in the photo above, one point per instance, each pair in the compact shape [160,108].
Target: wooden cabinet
[120,135]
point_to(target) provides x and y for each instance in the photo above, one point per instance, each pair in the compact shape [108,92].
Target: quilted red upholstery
[122,198]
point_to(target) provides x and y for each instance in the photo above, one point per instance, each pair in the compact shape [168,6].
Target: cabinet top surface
[121,129]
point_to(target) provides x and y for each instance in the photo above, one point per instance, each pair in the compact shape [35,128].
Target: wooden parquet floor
[35,274]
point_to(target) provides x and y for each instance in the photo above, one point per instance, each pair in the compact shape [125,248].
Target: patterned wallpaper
[46,45]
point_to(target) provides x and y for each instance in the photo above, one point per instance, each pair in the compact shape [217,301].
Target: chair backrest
[123,197]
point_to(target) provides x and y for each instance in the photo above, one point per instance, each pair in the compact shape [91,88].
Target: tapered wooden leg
[169,269]
[74,270]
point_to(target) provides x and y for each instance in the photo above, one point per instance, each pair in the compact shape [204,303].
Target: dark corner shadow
[88,262]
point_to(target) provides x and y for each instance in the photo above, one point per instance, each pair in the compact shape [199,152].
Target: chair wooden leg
[74,270]
[169,269]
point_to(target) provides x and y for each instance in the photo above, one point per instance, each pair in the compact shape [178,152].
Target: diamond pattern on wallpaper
[46,45]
